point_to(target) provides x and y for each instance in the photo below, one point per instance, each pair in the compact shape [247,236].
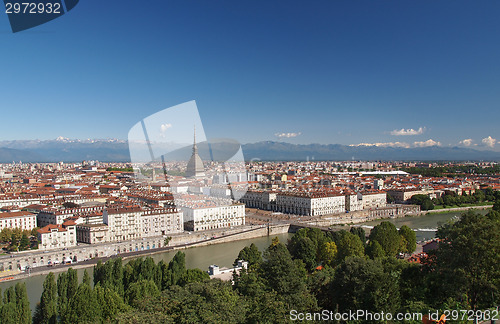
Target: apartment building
[57,236]
[372,200]
[18,219]
[211,217]
[124,223]
[92,233]
[259,199]
[57,216]
[161,221]
[310,203]
[353,202]
[402,196]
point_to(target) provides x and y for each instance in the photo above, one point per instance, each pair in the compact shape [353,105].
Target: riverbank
[235,235]
[200,257]
[454,209]
[425,225]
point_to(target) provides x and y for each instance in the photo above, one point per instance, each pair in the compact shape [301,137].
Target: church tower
[195,168]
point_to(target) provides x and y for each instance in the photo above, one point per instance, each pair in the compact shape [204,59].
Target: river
[424,226]
[222,255]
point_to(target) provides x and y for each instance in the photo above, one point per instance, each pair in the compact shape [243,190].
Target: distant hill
[117,151]
[64,150]
[8,155]
[279,151]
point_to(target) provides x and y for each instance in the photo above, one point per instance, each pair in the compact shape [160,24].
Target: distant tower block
[195,168]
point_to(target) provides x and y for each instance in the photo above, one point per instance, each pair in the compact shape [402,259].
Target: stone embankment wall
[35,259]
[361,216]
[257,231]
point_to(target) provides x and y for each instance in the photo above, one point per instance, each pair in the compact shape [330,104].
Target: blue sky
[344,72]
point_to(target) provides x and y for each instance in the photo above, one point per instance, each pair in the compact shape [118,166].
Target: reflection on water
[222,255]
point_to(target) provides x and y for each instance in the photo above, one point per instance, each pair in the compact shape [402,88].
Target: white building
[353,202]
[92,233]
[161,221]
[211,217]
[123,223]
[55,216]
[310,204]
[57,236]
[19,219]
[259,199]
[374,200]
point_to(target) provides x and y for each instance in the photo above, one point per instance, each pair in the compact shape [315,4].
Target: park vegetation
[450,199]
[453,170]
[16,239]
[130,169]
[339,271]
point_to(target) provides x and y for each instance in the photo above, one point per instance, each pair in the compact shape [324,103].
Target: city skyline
[387,74]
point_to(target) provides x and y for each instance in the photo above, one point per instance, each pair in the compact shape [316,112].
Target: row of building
[314,203]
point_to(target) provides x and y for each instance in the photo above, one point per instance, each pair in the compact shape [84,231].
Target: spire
[195,148]
[195,164]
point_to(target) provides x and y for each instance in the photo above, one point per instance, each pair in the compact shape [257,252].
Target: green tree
[249,253]
[83,306]
[62,294]
[9,295]
[360,232]
[5,235]
[48,301]
[496,206]
[264,305]
[111,303]
[328,253]
[386,234]
[167,240]
[374,250]
[34,232]
[14,243]
[22,304]
[303,248]
[193,275]
[24,243]
[349,245]
[139,290]
[494,215]
[423,201]
[213,301]
[361,283]
[86,278]
[72,282]
[410,239]
[467,260]
[8,313]
[286,277]
[176,267]
[117,276]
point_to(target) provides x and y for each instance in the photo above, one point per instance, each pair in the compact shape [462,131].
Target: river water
[424,226]
[224,254]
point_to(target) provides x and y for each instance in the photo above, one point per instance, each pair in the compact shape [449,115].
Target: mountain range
[112,150]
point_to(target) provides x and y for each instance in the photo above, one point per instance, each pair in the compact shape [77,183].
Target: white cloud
[466,142]
[429,142]
[389,144]
[164,127]
[409,131]
[489,141]
[287,135]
